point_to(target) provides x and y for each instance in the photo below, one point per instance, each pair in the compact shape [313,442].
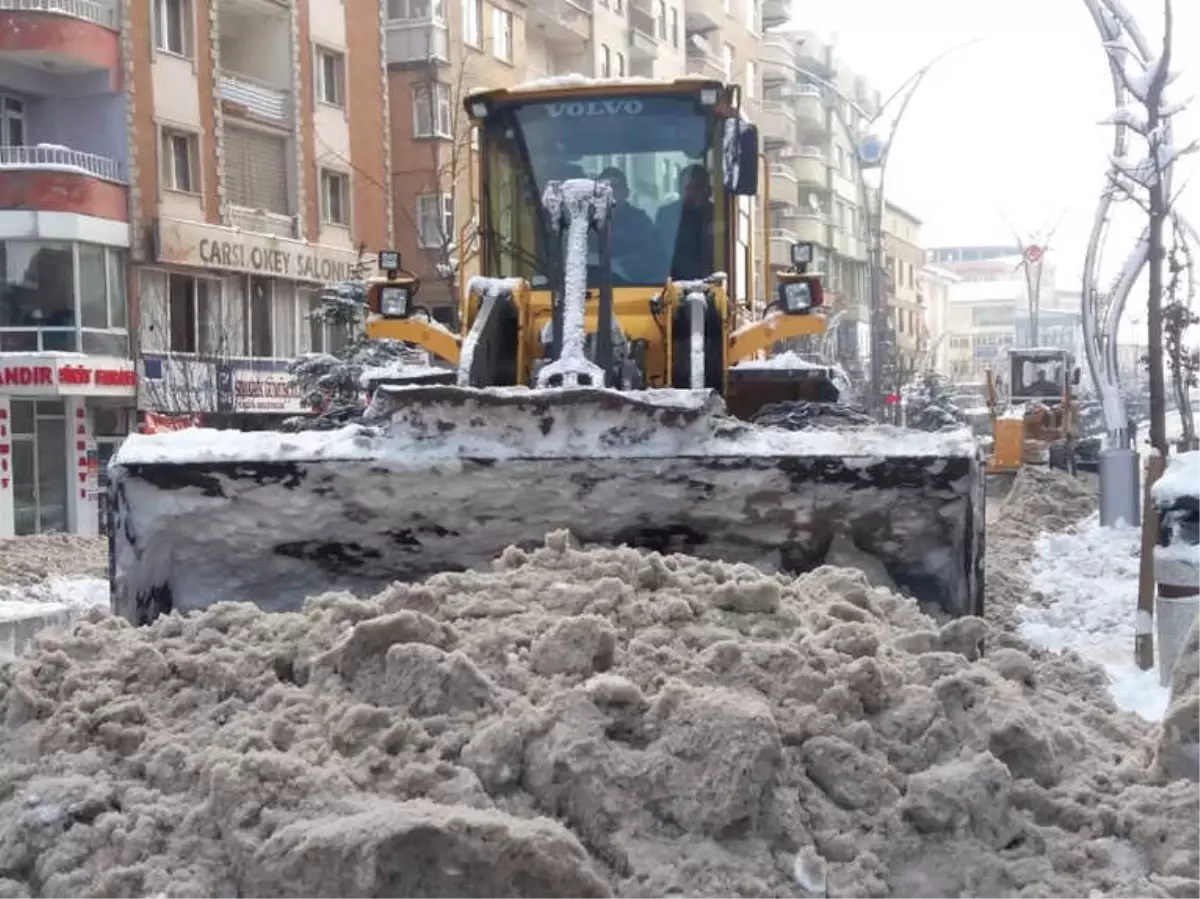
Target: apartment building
[988,312]
[936,285]
[258,168]
[904,258]
[67,382]
[437,52]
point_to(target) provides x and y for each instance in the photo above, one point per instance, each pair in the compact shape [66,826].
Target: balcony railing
[706,65]
[272,104]
[417,40]
[94,11]
[55,158]
[643,40]
[262,222]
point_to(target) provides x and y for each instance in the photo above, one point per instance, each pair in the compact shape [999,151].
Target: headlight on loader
[393,302]
[795,297]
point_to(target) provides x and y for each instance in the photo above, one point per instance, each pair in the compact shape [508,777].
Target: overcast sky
[1009,126]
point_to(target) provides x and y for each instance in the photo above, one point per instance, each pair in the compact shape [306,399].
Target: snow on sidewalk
[1089,581]
[27,609]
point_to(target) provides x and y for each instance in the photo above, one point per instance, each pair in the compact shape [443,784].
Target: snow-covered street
[1088,582]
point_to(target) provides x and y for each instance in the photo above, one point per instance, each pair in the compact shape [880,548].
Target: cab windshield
[657,153]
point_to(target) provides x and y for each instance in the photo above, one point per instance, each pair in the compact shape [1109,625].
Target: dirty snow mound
[573,722]
[1041,501]
[36,558]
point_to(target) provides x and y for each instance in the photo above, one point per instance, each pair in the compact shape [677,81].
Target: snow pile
[582,723]
[1041,501]
[38,557]
[76,594]
[544,424]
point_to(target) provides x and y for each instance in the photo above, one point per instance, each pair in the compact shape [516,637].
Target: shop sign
[38,373]
[220,249]
[267,391]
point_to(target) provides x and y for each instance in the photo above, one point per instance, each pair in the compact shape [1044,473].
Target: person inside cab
[686,226]
[636,250]
[1043,386]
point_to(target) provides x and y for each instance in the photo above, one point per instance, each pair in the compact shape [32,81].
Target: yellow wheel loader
[1039,423]
[606,379]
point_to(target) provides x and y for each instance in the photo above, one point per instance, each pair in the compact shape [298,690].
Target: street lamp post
[870,152]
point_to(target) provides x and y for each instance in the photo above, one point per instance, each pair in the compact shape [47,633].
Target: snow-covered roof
[788,360]
[557,82]
[512,437]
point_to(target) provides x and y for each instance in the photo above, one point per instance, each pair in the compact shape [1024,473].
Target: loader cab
[675,153]
[1041,376]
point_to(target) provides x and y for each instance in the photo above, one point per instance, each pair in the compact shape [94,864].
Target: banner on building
[155,423]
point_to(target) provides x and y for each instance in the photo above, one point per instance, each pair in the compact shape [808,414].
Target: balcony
[260,221]
[778,61]
[703,16]
[776,123]
[809,106]
[849,244]
[61,35]
[813,54]
[776,12]
[704,64]
[785,189]
[809,165]
[643,40]
[781,246]
[416,40]
[254,100]
[810,227]
[53,178]
[562,22]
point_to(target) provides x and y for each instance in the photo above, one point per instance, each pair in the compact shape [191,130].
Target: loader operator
[686,225]
[636,249]
[1043,387]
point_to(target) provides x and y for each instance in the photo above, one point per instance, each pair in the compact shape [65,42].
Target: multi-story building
[935,286]
[258,169]
[67,382]
[904,260]
[989,310]
[437,52]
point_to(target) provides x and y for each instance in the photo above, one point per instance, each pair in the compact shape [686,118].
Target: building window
[472,13]
[435,221]
[750,10]
[751,86]
[179,157]
[12,122]
[675,27]
[502,34]
[173,26]
[256,172]
[423,10]
[331,73]
[660,19]
[727,56]
[431,111]
[260,300]
[605,61]
[192,310]
[335,198]
[620,64]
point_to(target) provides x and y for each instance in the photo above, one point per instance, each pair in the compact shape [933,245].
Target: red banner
[160,424]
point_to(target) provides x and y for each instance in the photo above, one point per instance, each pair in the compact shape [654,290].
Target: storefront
[229,393]
[62,416]
[222,312]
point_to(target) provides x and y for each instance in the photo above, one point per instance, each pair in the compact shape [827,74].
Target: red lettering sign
[27,376]
[116,377]
[4,483]
[75,376]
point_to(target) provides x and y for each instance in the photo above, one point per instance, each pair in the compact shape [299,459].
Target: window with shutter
[256,170]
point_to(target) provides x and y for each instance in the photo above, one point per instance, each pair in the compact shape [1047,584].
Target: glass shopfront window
[64,297]
[39,466]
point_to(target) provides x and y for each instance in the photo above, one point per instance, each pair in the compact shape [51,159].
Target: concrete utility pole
[872,153]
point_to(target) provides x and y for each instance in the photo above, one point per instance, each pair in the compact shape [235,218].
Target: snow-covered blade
[457,474]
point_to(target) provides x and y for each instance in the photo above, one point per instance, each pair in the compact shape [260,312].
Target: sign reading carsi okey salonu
[218,249]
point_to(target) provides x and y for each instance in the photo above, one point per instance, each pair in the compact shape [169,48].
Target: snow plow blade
[446,477]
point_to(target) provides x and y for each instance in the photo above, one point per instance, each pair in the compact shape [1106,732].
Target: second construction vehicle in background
[1038,421]
[597,386]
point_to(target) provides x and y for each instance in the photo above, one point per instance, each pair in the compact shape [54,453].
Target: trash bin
[1176,497]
